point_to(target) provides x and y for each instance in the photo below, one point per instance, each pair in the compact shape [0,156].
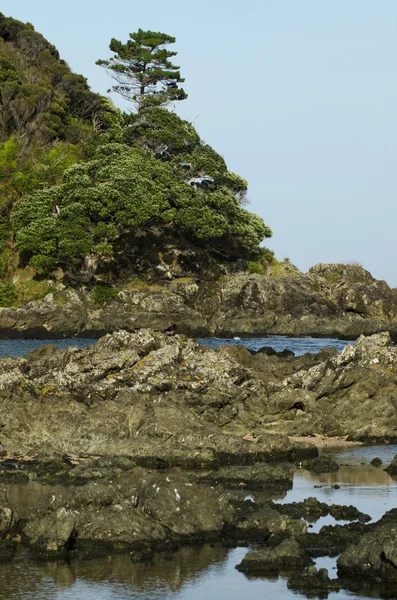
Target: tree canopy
[120,191]
[143,70]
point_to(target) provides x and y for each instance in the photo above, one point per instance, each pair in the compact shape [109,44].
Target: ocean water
[297,345]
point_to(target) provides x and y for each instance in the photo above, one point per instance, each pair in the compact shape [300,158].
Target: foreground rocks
[160,400]
[332,300]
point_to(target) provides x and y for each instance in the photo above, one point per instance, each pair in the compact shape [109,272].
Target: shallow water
[297,345]
[201,573]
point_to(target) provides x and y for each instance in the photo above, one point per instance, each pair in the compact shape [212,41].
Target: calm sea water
[279,343]
[200,573]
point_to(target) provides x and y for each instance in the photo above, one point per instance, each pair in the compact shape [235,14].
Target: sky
[299,97]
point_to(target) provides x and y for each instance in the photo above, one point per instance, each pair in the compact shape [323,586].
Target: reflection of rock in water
[23,579]
[359,475]
[171,571]
[61,573]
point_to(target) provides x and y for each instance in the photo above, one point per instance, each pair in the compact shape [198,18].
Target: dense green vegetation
[78,178]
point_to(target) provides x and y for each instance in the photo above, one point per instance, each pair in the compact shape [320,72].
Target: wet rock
[331,540]
[374,556]
[287,554]
[258,477]
[322,464]
[313,509]
[262,522]
[313,581]
[392,468]
[376,462]
[140,510]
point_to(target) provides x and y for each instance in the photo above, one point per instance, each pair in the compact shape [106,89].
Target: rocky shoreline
[341,301]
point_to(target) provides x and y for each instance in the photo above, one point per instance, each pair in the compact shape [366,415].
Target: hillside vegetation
[91,193]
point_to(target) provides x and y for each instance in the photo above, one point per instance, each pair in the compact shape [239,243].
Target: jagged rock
[163,400]
[331,540]
[287,554]
[263,522]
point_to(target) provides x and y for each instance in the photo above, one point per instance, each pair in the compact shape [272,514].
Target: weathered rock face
[331,300]
[164,400]
[351,394]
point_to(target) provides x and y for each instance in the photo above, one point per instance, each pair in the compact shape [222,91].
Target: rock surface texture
[164,400]
[330,301]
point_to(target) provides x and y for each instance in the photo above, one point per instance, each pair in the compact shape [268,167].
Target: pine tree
[143,70]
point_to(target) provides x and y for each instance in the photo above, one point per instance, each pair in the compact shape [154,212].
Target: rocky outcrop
[330,301]
[163,400]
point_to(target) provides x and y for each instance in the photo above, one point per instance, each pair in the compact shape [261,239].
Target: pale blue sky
[299,96]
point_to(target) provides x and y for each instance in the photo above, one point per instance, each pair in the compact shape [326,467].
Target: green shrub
[8,293]
[123,190]
[102,293]
[267,256]
[254,267]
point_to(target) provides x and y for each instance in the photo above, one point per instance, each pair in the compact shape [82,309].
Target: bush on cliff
[123,189]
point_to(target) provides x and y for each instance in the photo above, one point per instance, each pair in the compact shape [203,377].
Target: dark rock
[257,477]
[313,509]
[322,464]
[313,581]
[8,549]
[331,540]
[392,468]
[376,462]
[141,510]
[287,554]
[374,556]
